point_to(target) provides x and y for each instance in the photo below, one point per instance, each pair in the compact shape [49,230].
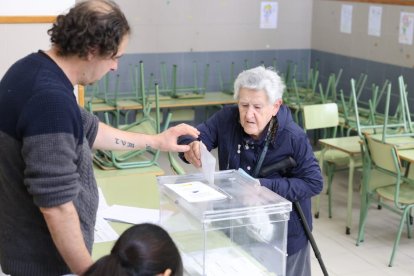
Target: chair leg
[331,171]
[409,234]
[348,131]
[397,239]
[316,208]
[322,166]
[362,221]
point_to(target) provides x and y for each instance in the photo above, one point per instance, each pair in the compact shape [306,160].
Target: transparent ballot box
[231,227]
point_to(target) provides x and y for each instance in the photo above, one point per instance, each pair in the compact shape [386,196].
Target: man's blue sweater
[45,161]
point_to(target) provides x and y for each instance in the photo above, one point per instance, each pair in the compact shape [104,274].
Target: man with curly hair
[48,194]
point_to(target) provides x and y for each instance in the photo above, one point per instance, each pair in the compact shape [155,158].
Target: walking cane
[282,167]
[310,237]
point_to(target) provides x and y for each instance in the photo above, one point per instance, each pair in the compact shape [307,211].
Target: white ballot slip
[103,231]
[133,215]
[196,191]
[208,164]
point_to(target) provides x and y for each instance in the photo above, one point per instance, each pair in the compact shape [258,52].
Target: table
[101,173]
[407,155]
[404,145]
[133,189]
[351,146]
[209,99]
[401,142]
[166,105]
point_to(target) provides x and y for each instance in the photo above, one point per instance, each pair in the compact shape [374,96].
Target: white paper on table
[196,191]
[102,201]
[224,261]
[131,215]
[103,231]
[208,164]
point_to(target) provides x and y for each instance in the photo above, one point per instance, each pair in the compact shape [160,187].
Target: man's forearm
[64,226]
[109,138]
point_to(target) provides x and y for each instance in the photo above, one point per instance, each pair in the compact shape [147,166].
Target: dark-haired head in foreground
[142,250]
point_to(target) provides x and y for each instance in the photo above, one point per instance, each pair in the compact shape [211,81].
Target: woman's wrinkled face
[255,111]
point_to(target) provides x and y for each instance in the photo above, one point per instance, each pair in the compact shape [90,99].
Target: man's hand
[193,155]
[167,140]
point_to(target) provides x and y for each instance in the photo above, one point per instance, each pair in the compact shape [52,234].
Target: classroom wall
[175,30]
[217,25]
[219,32]
[18,40]
[326,35]
[215,32]
[379,57]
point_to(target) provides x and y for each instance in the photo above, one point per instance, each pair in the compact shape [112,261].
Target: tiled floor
[339,252]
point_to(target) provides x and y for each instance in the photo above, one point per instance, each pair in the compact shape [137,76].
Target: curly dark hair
[93,24]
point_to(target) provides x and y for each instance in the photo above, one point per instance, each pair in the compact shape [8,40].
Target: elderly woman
[259,132]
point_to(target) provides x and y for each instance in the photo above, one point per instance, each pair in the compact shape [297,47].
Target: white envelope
[208,164]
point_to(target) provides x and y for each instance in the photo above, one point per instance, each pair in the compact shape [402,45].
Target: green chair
[98,97]
[392,129]
[128,159]
[325,117]
[226,87]
[370,118]
[121,104]
[189,91]
[386,183]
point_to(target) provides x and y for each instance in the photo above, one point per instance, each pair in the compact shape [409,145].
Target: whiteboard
[34,7]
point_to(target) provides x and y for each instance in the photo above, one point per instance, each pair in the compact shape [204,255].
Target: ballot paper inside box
[231,227]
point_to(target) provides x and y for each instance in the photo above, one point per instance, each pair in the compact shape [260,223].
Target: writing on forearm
[124,143]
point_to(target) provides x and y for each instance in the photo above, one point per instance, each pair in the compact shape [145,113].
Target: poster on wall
[268,15]
[405,35]
[374,20]
[346,19]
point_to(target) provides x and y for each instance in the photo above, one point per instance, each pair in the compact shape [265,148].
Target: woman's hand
[193,155]
[167,140]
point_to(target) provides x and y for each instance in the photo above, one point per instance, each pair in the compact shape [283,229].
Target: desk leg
[366,171]
[350,192]
[317,198]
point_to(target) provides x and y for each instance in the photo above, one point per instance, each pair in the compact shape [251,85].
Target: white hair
[260,78]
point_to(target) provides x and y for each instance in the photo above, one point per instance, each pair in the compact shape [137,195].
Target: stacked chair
[114,103]
[386,181]
[137,158]
[226,86]
[195,90]
[300,93]
[147,121]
